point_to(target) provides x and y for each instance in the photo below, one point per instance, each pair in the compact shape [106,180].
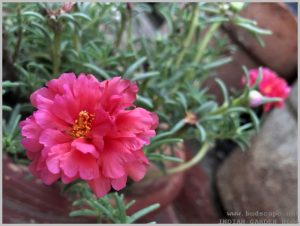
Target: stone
[263,180]
[280,52]
[293,98]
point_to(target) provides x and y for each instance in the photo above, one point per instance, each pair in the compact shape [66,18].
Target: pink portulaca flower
[271,86]
[89,130]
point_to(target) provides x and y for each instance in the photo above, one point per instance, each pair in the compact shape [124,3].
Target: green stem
[189,37]
[187,165]
[56,53]
[202,46]
[76,39]
[184,166]
[204,42]
[121,30]
[240,101]
[130,45]
[20,34]
[129,30]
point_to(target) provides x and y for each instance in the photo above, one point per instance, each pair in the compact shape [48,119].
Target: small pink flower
[88,129]
[67,7]
[271,85]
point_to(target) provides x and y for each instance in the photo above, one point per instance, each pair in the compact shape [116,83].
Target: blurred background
[229,185]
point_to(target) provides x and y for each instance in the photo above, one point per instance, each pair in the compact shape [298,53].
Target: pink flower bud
[255,98]
[67,7]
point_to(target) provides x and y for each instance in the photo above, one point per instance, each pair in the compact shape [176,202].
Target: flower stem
[204,42]
[198,157]
[239,101]
[129,29]
[121,30]
[76,42]
[56,53]
[202,45]
[20,34]
[189,37]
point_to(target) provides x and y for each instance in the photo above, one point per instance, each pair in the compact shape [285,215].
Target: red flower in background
[271,85]
[88,129]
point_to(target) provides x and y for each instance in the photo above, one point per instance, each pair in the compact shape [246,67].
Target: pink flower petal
[74,162]
[42,98]
[84,147]
[98,142]
[47,120]
[102,122]
[113,161]
[51,137]
[119,183]
[57,85]
[66,180]
[118,94]
[88,167]
[101,186]
[68,164]
[30,129]
[136,170]
[48,177]
[31,145]
[69,104]
[56,155]
[32,155]
[136,120]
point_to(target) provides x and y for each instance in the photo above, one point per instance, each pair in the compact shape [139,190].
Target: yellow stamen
[83,124]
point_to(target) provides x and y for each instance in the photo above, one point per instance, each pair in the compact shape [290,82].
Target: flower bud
[67,7]
[237,6]
[255,98]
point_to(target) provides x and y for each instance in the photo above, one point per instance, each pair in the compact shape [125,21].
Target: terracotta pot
[162,190]
[28,200]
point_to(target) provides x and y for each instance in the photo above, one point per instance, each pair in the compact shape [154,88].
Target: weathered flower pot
[28,200]
[162,190]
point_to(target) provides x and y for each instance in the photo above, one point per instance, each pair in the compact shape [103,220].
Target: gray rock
[263,180]
[293,98]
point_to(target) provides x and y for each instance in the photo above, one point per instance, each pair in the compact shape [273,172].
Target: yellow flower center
[190,118]
[83,124]
[268,89]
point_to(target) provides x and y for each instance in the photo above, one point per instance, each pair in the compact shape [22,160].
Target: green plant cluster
[41,41]
[110,209]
